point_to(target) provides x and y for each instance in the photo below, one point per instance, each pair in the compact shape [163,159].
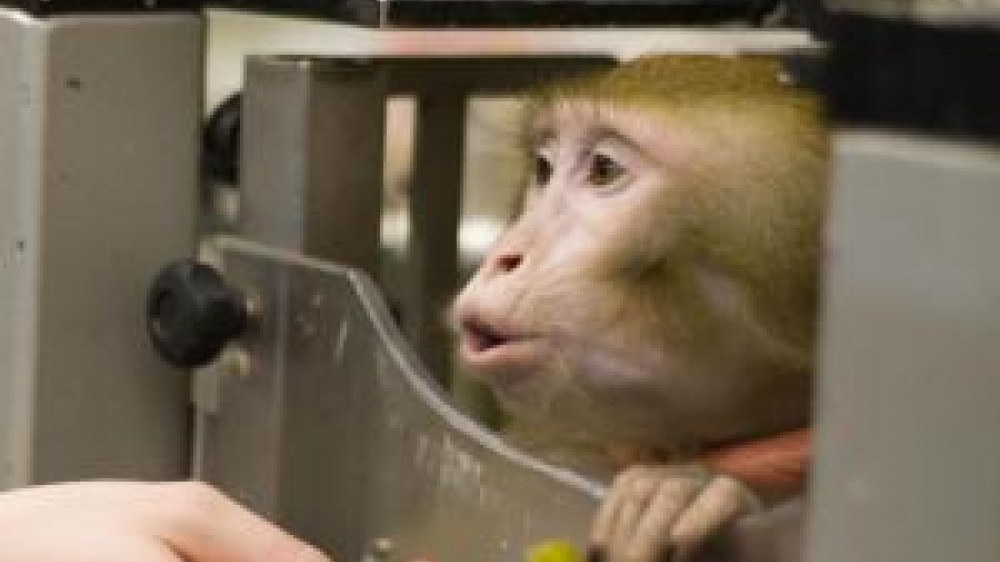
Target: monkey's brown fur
[726,251]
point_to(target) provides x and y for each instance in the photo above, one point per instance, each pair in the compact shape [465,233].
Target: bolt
[236,362]
[381,549]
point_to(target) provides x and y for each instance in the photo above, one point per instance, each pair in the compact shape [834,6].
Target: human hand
[138,522]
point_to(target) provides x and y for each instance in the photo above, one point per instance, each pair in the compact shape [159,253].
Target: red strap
[774,467]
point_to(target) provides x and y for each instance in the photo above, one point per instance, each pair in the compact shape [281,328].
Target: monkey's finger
[651,537]
[624,527]
[719,504]
[623,487]
[600,529]
[641,491]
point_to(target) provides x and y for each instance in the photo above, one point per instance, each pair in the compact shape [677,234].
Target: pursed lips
[497,350]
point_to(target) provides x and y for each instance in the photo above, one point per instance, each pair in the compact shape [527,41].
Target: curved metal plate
[335,431]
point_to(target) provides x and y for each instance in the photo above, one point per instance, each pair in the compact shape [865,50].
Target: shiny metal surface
[335,431]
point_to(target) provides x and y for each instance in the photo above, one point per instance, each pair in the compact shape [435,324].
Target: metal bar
[312,157]
[464,76]
[435,206]
[285,35]
[99,161]
[907,463]
[500,13]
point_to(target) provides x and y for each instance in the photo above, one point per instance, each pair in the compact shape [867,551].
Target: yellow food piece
[554,551]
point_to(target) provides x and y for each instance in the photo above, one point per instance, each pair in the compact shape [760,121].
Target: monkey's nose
[506,262]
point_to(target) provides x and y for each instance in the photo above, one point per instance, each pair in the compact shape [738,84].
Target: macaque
[653,309]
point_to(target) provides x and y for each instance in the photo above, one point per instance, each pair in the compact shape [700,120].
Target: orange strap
[774,467]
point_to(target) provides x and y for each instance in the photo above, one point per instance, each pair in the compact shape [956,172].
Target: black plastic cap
[191,314]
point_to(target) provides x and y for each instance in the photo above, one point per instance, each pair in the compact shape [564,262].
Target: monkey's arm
[653,512]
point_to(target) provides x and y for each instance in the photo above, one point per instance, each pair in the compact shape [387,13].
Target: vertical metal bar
[312,142]
[17,274]
[908,460]
[101,190]
[435,208]
[311,173]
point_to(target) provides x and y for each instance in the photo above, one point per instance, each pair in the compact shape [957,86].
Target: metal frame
[99,157]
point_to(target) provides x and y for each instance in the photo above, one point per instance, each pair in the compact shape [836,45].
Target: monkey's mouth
[487,347]
[479,337]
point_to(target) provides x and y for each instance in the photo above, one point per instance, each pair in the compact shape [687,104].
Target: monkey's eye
[542,171]
[604,171]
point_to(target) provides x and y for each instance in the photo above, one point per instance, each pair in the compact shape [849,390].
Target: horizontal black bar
[534,13]
[447,13]
[458,75]
[914,76]
[44,8]
[515,13]
[362,12]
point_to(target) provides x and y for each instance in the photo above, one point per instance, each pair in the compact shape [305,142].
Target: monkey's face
[592,316]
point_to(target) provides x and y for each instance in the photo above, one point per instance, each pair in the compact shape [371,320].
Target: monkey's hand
[656,513]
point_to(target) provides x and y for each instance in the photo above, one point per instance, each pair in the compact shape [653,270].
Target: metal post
[907,464]
[435,208]
[312,157]
[98,188]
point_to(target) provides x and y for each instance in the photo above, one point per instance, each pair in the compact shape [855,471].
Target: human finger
[203,525]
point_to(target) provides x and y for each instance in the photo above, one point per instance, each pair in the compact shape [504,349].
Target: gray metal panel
[311,163]
[908,465]
[105,114]
[336,431]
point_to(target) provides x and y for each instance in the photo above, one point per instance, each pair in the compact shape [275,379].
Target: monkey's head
[659,289]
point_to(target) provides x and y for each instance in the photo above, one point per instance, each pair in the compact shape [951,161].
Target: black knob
[191,313]
[221,142]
